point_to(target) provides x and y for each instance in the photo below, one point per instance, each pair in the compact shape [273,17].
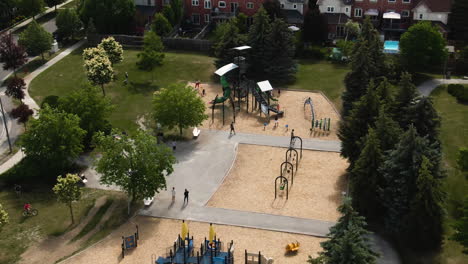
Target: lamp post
[5,124]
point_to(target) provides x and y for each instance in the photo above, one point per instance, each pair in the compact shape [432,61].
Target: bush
[51,100]
[316,52]
[458,91]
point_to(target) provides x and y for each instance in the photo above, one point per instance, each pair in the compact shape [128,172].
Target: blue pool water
[391,46]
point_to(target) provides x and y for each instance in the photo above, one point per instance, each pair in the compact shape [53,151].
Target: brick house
[337,13]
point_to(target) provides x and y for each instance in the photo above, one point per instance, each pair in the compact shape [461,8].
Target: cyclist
[27,207]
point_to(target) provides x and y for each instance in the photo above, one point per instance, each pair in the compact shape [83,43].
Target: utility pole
[5,124]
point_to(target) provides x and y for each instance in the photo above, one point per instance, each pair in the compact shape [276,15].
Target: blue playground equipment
[130,242]
[182,252]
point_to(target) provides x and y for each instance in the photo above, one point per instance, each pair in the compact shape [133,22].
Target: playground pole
[223,113]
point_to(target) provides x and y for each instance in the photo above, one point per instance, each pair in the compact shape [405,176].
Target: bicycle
[31,212]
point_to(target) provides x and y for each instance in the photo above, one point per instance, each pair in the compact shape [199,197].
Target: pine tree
[384,91]
[371,35]
[424,222]
[280,53]
[406,94]
[258,40]
[365,178]
[348,241]
[424,117]
[315,27]
[354,127]
[387,130]
[458,20]
[400,171]
[223,48]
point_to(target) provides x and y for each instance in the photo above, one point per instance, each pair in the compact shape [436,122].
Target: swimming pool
[391,46]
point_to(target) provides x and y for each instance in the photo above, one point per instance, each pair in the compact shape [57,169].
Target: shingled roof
[437,5]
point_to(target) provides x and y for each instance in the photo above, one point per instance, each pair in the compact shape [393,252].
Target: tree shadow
[142,87]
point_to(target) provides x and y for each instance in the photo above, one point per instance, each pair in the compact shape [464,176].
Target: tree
[99,71]
[92,109]
[31,8]
[161,25]
[109,16]
[348,241]
[461,227]
[371,35]
[226,37]
[177,8]
[424,117]
[68,23]
[3,217]
[23,113]
[68,191]
[273,8]
[54,3]
[35,39]
[15,88]
[241,23]
[168,13]
[178,106]
[90,53]
[354,127]
[353,29]
[258,40]
[54,139]
[152,55]
[385,93]
[462,159]
[425,219]
[113,49]
[462,61]
[400,171]
[136,164]
[7,15]
[11,55]
[365,178]
[280,53]
[315,27]
[405,96]
[458,21]
[387,130]
[422,46]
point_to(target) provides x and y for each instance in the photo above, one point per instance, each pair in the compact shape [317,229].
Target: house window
[207,18]
[207,4]
[357,12]
[373,0]
[250,5]
[330,9]
[405,13]
[420,16]
[222,4]
[282,6]
[195,2]
[149,2]
[406,1]
[391,1]
[347,10]
[196,19]
[340,31]
[295,6]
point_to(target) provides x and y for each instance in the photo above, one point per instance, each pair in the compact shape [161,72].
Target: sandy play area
[158,234]
[291,102]
[316,192]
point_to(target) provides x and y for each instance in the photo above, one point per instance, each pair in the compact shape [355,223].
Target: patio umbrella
[184,229]
[212,233]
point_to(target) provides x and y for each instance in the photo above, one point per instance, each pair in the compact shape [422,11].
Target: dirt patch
[157,235]
[296,116]
[315,193]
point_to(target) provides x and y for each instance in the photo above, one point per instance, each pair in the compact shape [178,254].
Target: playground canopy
[391,15]
[242,48]
[293,28]
[226,68]
[265,86]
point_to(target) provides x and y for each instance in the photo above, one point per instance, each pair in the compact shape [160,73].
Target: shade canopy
[242,48]
[225,69]
[293,28]
[265,86]
[372,12]
[391,15]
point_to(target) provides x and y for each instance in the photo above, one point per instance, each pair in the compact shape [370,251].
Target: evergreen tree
[400,171]
[258,40]
[169,14]
[371,35]
[161,25]
[348,241]
[424,223]
[461,227]
[384,91]
[273,9]
[280,53]
[405,95]
[387,130]
[366,179]
[458,20]
[315,28]
[354,127]
[424,117]
[229,39]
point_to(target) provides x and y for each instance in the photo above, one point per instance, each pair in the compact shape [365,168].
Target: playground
[295,114]
[315,191]
[156,236]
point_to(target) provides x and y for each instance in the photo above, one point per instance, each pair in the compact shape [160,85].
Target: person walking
[174,145]
[186,193]
[126,78]
[276,120]
[173,194]
[232,129]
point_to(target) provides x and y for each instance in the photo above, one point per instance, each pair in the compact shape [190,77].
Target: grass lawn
[53,219]
[454,134]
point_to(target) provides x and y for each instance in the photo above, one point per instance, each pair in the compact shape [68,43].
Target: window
[357,12]
[347,10]
[405,13]
[295,6]
[391,1]
[330,9]
[222,4]
[207,18]
[420,16]
[149,2]
[196,19]
[250,5]
[207,4]
[390,10]
[340,31]
[195,2]
[373,0]
[406,1]
[282,6]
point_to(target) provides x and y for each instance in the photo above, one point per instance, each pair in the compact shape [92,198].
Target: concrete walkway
[428,86]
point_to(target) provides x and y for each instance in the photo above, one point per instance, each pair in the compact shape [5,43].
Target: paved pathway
[428,86]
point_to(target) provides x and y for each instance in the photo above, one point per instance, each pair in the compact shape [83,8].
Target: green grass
[454,134]
[324,76]
[94,220]
[53,219]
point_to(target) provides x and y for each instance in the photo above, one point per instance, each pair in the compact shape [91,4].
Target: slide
[226,92]
[264,104]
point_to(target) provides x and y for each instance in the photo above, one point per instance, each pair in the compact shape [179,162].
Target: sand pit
[315,193]
[158,234]
[291,102]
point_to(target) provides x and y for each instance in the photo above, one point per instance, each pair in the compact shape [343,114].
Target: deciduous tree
[461,227]
[109,16]
[68,191]
[12,55]
[152,55]
[4,219]
[35,39]
[30,8]
[54,3]
[15,88]
[99,71]
[161,25]
[68,23]
[23,113]
[113,49]
[169,14]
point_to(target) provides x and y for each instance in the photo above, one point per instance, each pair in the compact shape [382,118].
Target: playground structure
[292,247]
[211,251]
[292,158]
[130,242]
[322,124]
[254,258]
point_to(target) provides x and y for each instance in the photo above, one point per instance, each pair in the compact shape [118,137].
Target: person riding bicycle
[27,207]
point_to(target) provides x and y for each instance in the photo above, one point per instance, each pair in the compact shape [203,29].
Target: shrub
[316,52]
[458,91]
[51,100]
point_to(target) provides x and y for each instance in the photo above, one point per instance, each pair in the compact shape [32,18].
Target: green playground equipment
[226,92]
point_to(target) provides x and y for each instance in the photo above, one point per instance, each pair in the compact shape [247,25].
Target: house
[337,13]
[436,11]
[145,11]
[294,10]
